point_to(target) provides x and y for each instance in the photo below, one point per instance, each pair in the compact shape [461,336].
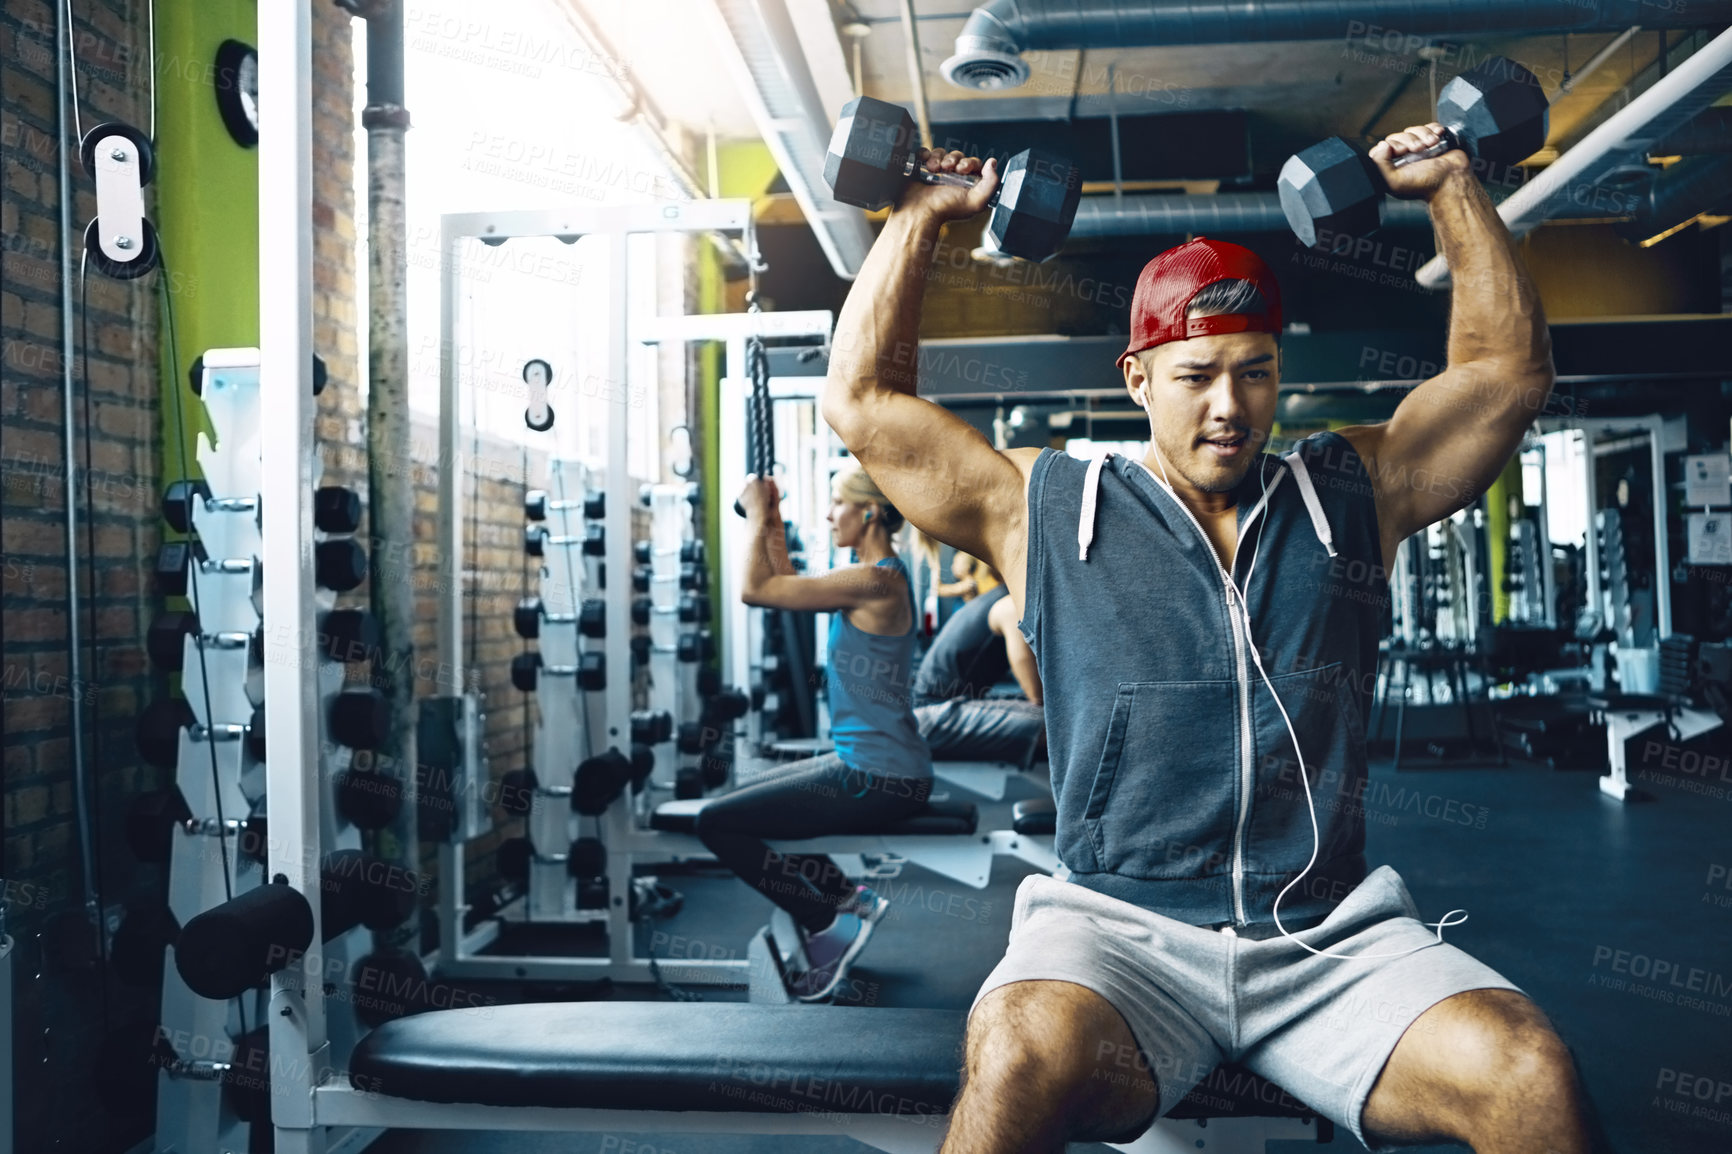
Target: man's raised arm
[937,469]
[1452,436]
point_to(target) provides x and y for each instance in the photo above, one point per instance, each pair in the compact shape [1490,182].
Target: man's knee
[1518,1053]
[1059,1043]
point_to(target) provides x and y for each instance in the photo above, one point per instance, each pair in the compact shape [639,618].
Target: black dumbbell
[587,858]
[526,618]
[137,947]
[166,639]
[873,152]
[158,727]
[694,578]
[595,506]
[651,726]
[692,736]
[641,609]
[592,894]
[358,890]
[694,609]
[642,551]
[641,647]
[595,540]
[1496,112]
[590,671]
[339,564]
[536,505]
[517,791]
[336,509]
[349,635]
[688,784]
[367,800]
[389,983]
[692,552]
[598,781]
[151,819]
[172,559]
[726,705]
[182,498]
[536,539]
[515,854]
[640,579]
[530,613]
[525,668]
[696,646]
[360,718]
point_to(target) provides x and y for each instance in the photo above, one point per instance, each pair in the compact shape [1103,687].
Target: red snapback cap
[1167,284]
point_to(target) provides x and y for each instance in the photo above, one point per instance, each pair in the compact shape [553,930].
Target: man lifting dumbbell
[1204,708]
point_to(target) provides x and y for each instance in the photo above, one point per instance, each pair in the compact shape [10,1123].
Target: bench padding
[731,1057]
[723,1056]
[938,818]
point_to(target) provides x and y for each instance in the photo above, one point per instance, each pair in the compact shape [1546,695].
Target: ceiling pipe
[1709,132]
[989,50]
[1684,192]
[1621,142]
[760,49]
[1221,213]
[916,74]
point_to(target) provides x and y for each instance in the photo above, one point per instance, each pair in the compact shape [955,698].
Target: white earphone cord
[1448,919]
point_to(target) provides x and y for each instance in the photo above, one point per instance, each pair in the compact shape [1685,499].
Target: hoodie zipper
[1240,639]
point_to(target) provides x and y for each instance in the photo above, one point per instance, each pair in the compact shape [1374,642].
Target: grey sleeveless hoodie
[1177,782]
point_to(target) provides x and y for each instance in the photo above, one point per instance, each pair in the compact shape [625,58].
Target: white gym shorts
[1319,1028]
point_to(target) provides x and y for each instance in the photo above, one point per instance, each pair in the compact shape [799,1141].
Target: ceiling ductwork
[1709,132]
[1674,196]
[1216,214]
[1678,196]
[757,42]
[989,49]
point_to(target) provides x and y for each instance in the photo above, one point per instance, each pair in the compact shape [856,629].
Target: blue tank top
[870,678]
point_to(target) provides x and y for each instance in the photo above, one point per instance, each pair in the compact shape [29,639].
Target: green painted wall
[207,212]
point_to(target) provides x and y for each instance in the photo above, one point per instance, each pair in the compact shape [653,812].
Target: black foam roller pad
[237,946]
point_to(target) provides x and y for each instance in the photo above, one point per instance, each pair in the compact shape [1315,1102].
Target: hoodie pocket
[1161,804]
[1323,707]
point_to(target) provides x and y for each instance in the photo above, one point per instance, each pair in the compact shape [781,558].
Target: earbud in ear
[868,516]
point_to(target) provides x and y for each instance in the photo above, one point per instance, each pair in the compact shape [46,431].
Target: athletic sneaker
[867,905]
[831,950]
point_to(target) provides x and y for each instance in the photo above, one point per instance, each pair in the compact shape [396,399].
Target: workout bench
[884,1077]
[943,839]
[986,778]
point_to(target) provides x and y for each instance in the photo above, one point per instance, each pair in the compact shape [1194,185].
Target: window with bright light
[512,112]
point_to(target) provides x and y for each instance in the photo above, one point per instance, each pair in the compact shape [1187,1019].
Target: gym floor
[1571,895]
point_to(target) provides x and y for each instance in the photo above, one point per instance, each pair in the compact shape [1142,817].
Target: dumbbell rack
[573,721]
[677,578]
[216,764]
[604,231]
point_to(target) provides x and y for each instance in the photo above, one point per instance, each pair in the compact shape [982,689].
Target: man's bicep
[1447,441]
[939,471]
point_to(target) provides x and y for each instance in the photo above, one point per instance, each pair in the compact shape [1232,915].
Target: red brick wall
[60,1014]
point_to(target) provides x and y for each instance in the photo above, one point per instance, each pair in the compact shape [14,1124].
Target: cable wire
[72,70]
[95,649]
